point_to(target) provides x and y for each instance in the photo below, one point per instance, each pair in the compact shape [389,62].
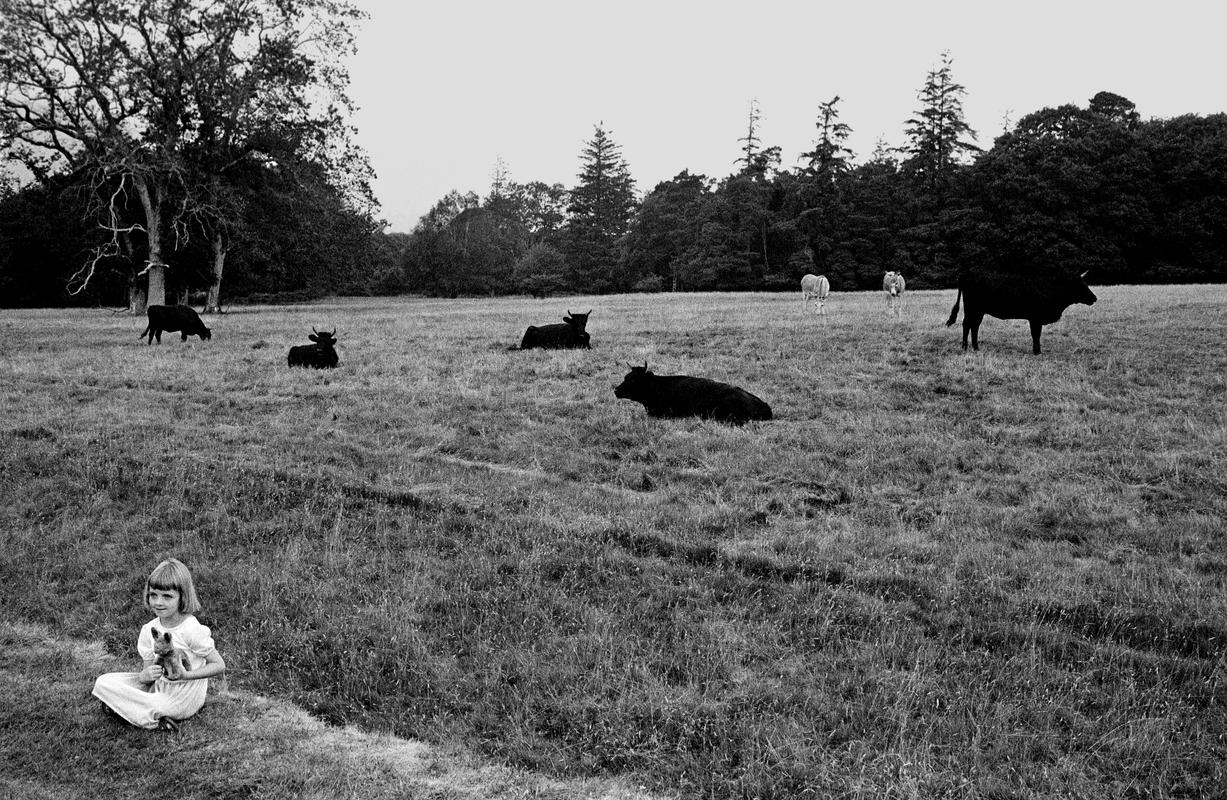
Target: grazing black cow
[570,334]
[685,396]
[174,318]
[1038,298]
[321,355]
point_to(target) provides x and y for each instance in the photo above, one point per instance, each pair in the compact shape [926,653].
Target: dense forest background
[1083,188]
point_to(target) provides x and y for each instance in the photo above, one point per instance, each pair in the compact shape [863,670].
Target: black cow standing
[686,396]
[1038,298]
[570,334]
[174,318]
[321,355]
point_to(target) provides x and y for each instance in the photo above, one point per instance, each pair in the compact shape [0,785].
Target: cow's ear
[313,337]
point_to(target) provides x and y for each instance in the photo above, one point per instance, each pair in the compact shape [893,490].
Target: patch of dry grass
[56,744]
[933,574]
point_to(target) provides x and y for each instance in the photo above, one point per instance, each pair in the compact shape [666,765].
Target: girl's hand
[151,673]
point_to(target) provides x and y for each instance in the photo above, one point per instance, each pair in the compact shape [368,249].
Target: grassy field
[933,574]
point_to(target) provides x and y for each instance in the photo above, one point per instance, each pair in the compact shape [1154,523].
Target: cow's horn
[1083,275]
[313,330]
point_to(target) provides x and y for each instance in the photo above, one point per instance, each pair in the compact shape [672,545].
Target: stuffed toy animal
[171,659]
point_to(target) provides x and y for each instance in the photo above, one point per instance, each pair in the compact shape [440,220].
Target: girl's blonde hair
[173,574]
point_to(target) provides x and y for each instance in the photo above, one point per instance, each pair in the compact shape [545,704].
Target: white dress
[143,704]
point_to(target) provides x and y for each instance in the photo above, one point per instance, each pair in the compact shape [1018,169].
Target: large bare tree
[269,90]
[163,100]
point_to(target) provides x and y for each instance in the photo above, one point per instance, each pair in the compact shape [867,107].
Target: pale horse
[817,287]
[893,284]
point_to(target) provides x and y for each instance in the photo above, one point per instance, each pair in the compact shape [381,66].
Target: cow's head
[635,383]
[323,338]
[578,322]
[1079,292]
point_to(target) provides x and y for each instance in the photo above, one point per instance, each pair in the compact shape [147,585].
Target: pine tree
[820,216]
[939,140]
[500,181]
[755,159]
[938,135]
[501,199]
[600,210]
[830,157]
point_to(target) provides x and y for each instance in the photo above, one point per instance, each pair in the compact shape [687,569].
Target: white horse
[817,287]
[893,284]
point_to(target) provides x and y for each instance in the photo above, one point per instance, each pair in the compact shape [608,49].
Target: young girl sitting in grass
[154,697]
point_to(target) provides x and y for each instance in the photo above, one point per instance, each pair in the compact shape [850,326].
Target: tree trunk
[151,200]
[766,265]
[213,303]
[136,297]
[157,282]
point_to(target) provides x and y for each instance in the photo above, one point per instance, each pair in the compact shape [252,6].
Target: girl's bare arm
[213,666]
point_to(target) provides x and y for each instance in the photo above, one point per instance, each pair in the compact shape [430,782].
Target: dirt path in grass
[243,741]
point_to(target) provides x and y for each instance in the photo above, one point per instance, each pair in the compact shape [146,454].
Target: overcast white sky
[446,88]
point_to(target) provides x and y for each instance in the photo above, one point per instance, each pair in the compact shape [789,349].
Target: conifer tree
[819,188]
[939,141]
[755,159]
[939,137]
[830,157]
[600,210]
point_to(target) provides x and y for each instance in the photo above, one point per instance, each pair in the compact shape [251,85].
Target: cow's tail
[145,332]
[954,312]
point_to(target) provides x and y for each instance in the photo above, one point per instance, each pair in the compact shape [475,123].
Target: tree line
[247,172]
[1089,188]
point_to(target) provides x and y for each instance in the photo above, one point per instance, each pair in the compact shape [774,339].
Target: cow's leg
[183,337]
[972,322]
[966,331]
[157,332]
[1036,328]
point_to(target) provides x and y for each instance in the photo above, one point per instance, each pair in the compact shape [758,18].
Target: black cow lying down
[321,355]
[1037,297]
[174,318]
[686,396]
[570,334]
